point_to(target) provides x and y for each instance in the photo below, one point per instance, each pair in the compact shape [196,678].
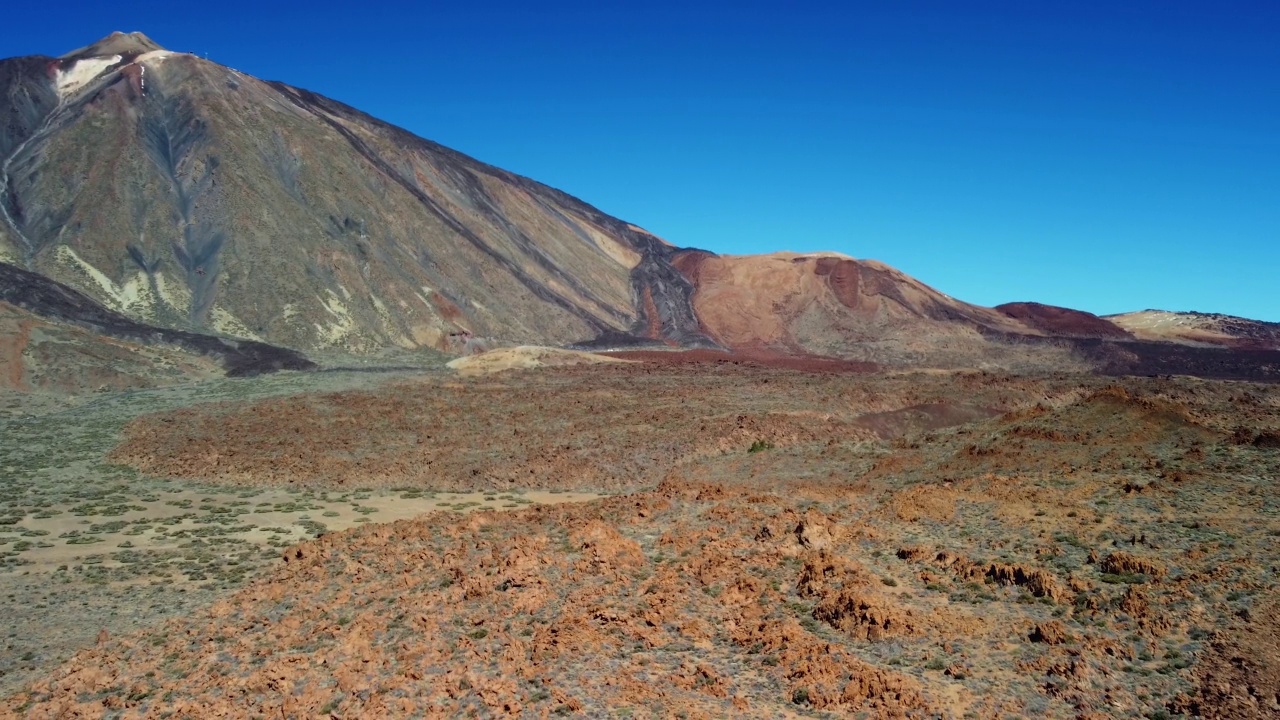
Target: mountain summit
[117,43]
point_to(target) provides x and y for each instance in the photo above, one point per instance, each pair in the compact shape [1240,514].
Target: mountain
[1200,328]
[186,195]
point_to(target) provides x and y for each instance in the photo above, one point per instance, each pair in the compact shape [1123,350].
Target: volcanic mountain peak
[117,43]
[76,71]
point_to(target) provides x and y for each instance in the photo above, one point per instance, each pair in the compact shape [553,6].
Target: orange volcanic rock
[1050,633]
[431,432]
[1039,582]
[966,570]
[864,617]
[1122,563]
[791,301]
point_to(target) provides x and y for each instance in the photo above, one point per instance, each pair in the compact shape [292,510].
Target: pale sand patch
[1165,325]
[82,73]
[176,296]
[277,515]
[342,325]
[158,55]
[228,324]
[620,253]
[526,357]
[134,291]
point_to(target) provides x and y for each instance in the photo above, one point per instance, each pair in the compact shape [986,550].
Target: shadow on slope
[42,296]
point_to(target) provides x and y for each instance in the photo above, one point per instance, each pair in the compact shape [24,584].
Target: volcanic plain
[696,535]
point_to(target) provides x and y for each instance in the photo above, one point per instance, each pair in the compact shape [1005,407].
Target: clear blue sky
[1106,156]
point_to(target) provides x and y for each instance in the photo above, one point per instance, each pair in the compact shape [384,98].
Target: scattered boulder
[1122,563]
[863,616]
[1052,632]
[1039,582]
[816,531]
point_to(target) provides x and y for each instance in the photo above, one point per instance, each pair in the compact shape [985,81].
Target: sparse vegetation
[908,564]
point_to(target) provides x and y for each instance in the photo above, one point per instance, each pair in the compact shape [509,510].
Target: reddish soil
[801,543]
[13,342]
[760,358]
[1239,674]
[689,263]
[842,278]
[653,329]
[1063,322]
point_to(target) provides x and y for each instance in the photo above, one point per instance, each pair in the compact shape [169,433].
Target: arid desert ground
[679,535]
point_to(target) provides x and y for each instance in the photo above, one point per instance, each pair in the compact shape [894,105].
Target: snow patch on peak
[149,59]
[156,55]
[81,73]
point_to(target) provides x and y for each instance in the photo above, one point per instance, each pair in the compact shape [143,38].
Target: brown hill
[833,305]
[1201,329]
[1063,322]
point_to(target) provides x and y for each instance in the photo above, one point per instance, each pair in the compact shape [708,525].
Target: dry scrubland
[785,543]
[86,544]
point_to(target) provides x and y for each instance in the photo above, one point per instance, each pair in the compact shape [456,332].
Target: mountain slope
[187,194]
[1201,328]
[44,355]
[30,300]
